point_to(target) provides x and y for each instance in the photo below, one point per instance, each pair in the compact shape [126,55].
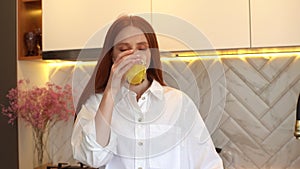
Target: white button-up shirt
[162,130]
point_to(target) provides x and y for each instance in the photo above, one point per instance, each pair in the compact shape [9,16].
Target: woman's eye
[123,50]
[143,48]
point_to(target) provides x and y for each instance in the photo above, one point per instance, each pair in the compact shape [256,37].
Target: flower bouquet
[39,107]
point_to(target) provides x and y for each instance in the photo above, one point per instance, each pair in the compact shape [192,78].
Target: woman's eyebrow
[123,43]
[128,45]
[143,43]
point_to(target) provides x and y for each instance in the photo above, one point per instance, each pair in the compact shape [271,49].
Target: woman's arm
[103,119]
[84,145]
[201,149]
[92,139]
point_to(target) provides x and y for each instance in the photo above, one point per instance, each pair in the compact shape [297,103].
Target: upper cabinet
[223,24]
[275,23]
[180,24]
[77,24]
[29,29]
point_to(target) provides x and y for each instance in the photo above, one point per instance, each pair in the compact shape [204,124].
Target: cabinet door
[71,24]
[225,24]
[275,23]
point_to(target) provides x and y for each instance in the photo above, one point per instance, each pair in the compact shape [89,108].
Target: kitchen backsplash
[248,105]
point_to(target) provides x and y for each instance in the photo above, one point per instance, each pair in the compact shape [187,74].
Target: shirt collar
[156,89]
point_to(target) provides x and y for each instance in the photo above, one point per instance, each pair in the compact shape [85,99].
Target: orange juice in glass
[137,73]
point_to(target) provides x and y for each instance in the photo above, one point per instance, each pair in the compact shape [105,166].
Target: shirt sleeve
[84,145]
[201,150]
[204,156]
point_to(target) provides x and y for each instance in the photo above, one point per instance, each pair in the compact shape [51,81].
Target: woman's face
[131,38]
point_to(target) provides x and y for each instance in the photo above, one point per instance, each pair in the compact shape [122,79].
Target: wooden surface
[29,18]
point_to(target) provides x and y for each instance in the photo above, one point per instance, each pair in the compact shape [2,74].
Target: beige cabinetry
[230,24]
[225,24]
[275,23]
[72,24]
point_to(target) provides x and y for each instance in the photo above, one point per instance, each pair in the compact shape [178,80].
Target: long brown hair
[103,71]
[101,74]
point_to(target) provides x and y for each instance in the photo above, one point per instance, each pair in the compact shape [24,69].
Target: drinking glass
[137,73]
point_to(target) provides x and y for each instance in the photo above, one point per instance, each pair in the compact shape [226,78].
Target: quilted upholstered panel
[247,104]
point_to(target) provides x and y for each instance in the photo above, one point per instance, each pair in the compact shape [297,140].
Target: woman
[145,125]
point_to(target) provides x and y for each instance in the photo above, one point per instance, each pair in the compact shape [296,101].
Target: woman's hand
[122,63]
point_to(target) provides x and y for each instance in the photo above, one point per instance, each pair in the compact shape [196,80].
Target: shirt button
[140,143]
[143,98]
[140,168]
[140,119]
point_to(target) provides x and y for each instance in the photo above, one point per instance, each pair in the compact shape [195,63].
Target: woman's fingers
[122,55]
[123,62]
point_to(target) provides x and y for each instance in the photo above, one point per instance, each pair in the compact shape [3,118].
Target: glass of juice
[137,73]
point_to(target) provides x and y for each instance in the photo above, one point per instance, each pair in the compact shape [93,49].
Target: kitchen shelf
[30,0]
[29,20]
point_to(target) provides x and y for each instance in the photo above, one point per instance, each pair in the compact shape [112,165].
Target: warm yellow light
[260,55]
[266,53]
[59,63]
[36,12]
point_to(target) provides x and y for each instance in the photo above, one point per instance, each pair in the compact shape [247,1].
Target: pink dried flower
[40,107]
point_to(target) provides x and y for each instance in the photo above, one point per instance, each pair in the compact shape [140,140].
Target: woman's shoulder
[93,98]
[173,92]
[169,89]
[93,101]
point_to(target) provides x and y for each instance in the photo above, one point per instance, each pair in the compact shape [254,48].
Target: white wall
[37,73]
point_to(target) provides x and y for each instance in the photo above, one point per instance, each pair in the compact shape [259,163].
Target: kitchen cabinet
[231,24]
[29,20]
[77,24]
[275,23]
[225,24]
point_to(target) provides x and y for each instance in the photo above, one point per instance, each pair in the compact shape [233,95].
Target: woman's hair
[103,71]
[99,79]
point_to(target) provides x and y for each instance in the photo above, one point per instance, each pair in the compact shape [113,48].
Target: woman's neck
[141,88]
